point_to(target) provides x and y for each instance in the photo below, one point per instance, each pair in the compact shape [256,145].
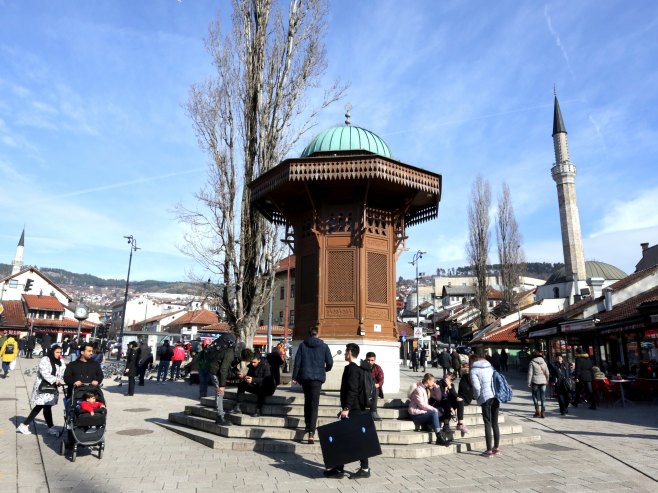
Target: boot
[536,415]
[222,421]
[542,413]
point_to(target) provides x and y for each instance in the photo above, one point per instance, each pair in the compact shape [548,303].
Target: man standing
[84,370]
[220,354]
[584,379]
[456,362]
[445,360]
[378,377]
[259,381]
[145,359]
[31,344]
[483,390]
[414,360]
[423,358]
[312,362]
[350,402]
[46,341]
[165,354]
[177,360]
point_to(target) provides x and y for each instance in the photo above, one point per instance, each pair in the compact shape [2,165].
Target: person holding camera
[258,380]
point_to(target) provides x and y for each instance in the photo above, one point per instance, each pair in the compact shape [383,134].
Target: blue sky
[94,143]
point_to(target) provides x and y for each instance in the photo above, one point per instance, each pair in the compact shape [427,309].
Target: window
[556,292]
[292,291]
[280,318]
[282,293]
[13,283]
[291,317]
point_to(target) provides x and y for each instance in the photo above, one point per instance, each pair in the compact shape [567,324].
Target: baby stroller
[81,429]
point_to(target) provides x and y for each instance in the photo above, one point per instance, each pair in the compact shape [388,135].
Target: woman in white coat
[537,380]
[45,392]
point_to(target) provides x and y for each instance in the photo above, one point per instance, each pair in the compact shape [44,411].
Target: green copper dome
[592,269]
[347,138]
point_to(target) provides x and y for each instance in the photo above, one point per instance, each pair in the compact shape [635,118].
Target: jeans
[5,368]
[175,369]
[447,405]
[427,418]
[73,356]
[204,378]
[539,395]
[490,418]
[563,401]
[163,367]
[261,391]
[445,370]
[311,403]
[47,414]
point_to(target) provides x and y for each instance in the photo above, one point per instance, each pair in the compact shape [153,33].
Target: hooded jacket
[312,361]
[538,371]
[419,401]
[482,381]
[6,357]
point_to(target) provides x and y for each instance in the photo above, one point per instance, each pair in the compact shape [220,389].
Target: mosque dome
[592,269]
[347,138]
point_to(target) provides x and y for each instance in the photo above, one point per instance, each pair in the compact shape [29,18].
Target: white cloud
[638,213]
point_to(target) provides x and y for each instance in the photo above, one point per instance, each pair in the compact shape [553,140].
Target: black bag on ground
[445,438]
[349,440]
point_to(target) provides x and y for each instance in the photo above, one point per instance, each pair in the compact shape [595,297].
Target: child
[89,403]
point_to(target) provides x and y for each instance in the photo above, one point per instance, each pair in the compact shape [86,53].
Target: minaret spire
[564,174]
[17,263]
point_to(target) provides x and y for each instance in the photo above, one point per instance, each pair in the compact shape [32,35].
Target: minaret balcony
[563,169]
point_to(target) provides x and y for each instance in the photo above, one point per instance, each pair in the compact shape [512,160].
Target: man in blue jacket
[312,362]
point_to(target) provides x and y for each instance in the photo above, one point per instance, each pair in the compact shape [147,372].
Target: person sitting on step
[258,380]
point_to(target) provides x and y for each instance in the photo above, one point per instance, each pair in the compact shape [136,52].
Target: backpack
[9,349]
[368,390]
[224,341]
[465,390]
[502,390]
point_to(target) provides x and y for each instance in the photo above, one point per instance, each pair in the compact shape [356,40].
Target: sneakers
[53,431]
[496,451]
[257,414]
[222,421]
[335,473]
[360,474]
[463,429]
[237,409]
[24,429]
[488,453]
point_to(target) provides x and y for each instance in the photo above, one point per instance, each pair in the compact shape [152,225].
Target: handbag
[445,438]
[46,387]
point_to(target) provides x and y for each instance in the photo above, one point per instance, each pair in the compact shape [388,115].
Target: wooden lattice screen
[340,276]
[377,278]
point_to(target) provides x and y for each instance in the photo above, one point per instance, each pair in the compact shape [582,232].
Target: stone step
[298,421]
[390,451]
[278,409]
[385,437]
[291,397]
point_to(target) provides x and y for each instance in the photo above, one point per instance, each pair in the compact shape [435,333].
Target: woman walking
[45,391]
[537,380]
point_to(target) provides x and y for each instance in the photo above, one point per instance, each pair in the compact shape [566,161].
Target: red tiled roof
[196,317]
[13,314]
[64,323]
[284,264]
[628,308]
[503,334]
[494,294]
[41,302]
[636,276]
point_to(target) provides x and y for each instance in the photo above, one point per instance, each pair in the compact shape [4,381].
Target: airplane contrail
[122,184]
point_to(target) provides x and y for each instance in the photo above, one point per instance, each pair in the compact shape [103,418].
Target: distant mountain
[539,270]
[83,281]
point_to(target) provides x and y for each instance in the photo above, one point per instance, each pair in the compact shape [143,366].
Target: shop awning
[543,333]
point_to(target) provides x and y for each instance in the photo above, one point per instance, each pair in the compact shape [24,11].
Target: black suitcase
[349,440]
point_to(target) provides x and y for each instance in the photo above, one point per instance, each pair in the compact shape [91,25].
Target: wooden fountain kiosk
[346,205]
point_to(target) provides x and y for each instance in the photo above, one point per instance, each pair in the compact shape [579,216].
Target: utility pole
[417,256]
[133,248]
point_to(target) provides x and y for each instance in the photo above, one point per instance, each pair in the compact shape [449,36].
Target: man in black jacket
[83,370]
[258,380]
[312,362]
[350,402]
[220,355]
[584,379]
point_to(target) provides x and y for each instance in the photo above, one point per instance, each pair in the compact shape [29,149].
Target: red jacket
[89,407]
[179,354]
[378,375]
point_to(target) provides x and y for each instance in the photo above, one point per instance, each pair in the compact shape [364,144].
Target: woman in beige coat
[537,380]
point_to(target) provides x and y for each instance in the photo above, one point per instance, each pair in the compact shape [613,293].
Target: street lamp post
[81,313]
[133,248]
[417,256]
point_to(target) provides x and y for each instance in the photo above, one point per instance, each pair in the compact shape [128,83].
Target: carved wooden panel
[377,278]
[340,276]
[377,313]
[339,312]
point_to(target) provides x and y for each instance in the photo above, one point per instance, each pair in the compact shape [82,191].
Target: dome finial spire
[348,108]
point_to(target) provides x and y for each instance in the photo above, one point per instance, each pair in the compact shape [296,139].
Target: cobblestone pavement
[611,449]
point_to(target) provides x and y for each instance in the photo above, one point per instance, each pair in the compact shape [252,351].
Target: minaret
[17,263]
[564,174]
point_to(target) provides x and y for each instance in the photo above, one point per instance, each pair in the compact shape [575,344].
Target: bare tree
[477,248]
[510,254]
[247,117]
